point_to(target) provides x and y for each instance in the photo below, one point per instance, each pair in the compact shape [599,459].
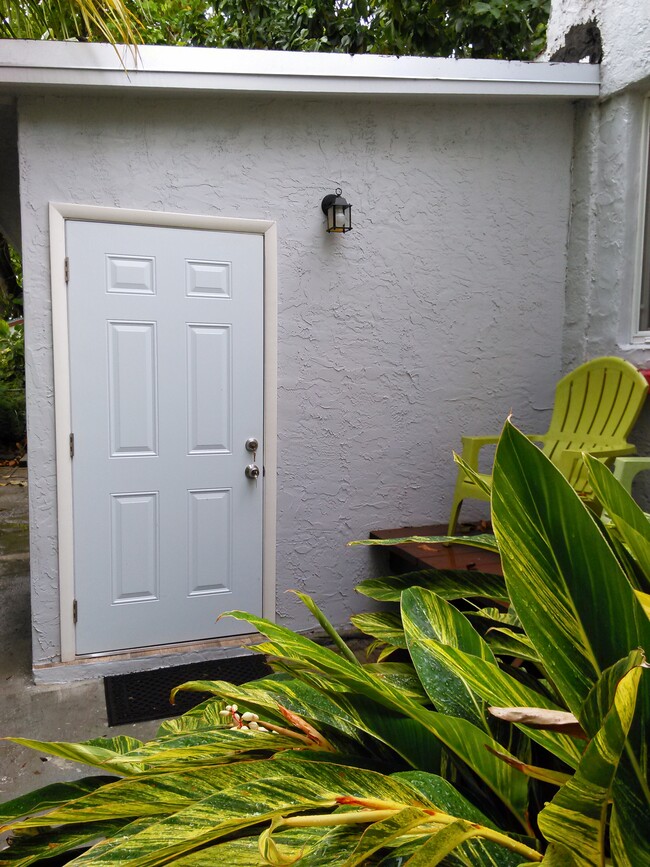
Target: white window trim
[60,213]
[643,213]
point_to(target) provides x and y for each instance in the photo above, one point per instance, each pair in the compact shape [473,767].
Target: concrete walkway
[71,712]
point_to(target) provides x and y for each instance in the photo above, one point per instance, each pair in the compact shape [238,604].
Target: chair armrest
[473,445]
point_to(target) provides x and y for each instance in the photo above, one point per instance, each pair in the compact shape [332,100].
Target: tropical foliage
[462,752]
[513,29]
[12,382]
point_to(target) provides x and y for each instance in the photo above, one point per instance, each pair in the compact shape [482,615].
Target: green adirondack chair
[594,411]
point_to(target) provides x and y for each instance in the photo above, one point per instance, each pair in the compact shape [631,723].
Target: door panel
[166,379]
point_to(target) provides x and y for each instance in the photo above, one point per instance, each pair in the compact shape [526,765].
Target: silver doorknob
[252,471]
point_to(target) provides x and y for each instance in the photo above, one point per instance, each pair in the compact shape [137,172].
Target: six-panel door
[166,370]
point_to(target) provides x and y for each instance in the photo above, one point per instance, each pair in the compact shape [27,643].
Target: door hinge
[66,269]
[71,445]
[74,611]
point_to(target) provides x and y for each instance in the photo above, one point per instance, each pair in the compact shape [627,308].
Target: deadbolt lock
[252,471]
[252,444]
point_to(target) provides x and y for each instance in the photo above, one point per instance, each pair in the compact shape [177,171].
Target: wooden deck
[418,555]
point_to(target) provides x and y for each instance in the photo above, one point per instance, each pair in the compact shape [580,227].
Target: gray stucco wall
[625,32]
[602,264]
[436,316]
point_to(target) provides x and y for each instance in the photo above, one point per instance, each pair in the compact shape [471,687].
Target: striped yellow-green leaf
[289,789]
[447,650]
[473,853]
[481,481]
[486,541]
[447,583]
[562,576]
[631,810]
[311,606]
[177,752]
[576,817]
[644,599]
[545,775]
[575,603]
[463,738]
[506,642]
[383,625]
[429,621]
[105,753]
[49,797]
[449,838]
[291,844]
[625,514]
[262,697]
[158,795]
[401,676]
[384,833]
[29,848]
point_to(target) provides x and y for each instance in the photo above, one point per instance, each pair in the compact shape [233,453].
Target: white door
[166,383]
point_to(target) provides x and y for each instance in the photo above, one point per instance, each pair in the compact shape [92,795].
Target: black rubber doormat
[144,695]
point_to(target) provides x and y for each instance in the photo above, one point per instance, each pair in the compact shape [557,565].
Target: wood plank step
[419,555]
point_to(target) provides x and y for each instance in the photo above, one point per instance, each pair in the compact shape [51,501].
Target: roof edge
[36,65]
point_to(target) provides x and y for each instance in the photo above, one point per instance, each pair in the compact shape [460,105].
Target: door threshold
[141,659]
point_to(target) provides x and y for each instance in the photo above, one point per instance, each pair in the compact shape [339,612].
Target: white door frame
[59,213]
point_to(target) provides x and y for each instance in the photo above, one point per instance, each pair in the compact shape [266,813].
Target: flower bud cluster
[242,722]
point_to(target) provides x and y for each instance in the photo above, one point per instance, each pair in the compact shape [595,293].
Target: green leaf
[292,844]
[448,584]
[461,737]
[49,797]
[485,541]
[105,753]
[442,844]
[327,626]
[29,848]
[401,676]
[506,642]
[627,517]
[428,622]
[460,673]
[563,578]
[160,795]
[290,787]
[576,817]
[382,625]
[385,833]
[262,697]
[178,752]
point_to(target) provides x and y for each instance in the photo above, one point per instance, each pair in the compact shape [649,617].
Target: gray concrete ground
[71,712]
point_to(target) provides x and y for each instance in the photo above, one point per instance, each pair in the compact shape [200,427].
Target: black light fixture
[338,212]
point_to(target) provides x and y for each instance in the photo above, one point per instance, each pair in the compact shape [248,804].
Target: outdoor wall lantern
[338,212]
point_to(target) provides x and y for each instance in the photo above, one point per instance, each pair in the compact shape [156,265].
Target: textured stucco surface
[625,32]
[606,195]
[440,313]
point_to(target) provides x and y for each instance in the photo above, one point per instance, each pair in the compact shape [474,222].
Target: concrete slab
[71,712]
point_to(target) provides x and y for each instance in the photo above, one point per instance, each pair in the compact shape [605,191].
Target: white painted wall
[625,32]
[606,192]
[436,316]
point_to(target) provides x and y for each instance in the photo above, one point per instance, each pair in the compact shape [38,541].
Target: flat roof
[40,66]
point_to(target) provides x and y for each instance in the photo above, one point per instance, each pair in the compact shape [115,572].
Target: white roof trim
[28,65]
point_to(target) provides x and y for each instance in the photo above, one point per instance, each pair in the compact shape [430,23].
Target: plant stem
[370,816]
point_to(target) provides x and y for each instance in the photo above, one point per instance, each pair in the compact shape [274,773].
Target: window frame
[642,252]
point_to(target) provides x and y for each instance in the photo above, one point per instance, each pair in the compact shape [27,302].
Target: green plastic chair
[594,411]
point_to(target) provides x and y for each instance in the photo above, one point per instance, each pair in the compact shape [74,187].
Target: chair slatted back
[595,407]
